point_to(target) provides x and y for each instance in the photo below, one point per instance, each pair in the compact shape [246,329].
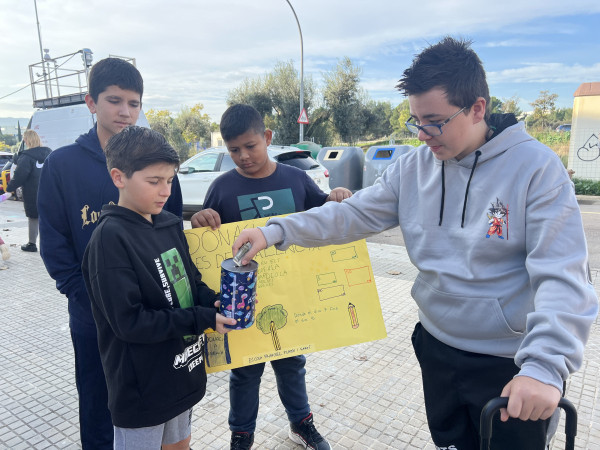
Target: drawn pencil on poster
[353,316]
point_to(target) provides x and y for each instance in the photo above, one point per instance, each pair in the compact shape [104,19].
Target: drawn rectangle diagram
[343,254]
[359,275]
[331,292]
[326,278]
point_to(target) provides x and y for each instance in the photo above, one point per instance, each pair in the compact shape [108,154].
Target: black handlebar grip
[495,404]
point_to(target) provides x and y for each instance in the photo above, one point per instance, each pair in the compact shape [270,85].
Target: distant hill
[9,125]
[12,122]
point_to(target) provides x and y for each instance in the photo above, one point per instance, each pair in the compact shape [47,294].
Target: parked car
[5,157]
[4,175]
[197,173]
[5,178]
[564,127]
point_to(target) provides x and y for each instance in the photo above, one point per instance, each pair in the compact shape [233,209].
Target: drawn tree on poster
[271,319]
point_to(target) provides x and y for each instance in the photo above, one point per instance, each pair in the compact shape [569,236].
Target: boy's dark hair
[452,65]
[136,148]
[238,119]
[114,72]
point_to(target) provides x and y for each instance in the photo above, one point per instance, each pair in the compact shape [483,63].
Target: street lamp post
[301,71]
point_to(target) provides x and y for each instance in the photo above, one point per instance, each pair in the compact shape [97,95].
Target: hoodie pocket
[461,316]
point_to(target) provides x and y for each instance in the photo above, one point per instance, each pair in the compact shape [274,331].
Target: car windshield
[205,162]
[297,159]
[226,163]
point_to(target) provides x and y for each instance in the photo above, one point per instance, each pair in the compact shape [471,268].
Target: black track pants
[457,384]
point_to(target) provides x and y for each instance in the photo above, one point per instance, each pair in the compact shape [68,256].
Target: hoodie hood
[163,220]
[499,124]
[90,143]
[38,153]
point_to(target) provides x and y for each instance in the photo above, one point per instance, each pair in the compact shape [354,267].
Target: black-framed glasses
[433,129]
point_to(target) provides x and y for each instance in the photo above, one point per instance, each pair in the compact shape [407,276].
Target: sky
[196,51]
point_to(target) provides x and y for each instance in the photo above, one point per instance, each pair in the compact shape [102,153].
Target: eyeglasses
[433,129]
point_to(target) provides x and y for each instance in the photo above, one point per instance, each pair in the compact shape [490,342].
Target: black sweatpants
[457,384]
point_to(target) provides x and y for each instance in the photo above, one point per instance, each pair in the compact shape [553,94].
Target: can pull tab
[237,259]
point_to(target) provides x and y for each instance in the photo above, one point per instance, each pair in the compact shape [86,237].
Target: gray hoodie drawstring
[477,155]
[443,195]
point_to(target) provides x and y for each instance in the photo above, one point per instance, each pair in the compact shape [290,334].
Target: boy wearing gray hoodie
[491,222]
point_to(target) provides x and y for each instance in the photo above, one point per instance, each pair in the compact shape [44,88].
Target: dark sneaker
[29,247]
[241,440]
[305,434]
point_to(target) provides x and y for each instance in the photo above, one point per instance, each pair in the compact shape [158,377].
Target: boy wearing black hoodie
[148,299]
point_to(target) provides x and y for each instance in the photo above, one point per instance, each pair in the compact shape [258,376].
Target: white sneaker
[5,252]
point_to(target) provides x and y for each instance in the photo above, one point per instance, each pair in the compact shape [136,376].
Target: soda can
[238,292]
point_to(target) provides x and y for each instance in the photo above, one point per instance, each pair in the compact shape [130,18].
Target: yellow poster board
[323,297]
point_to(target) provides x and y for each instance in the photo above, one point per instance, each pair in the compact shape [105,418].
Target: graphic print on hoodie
[179,280]
[496,218]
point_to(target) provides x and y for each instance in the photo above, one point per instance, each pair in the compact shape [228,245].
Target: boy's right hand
[206,218]
[222,321]
[256,239]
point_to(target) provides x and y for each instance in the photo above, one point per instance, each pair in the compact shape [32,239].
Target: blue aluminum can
[238,292]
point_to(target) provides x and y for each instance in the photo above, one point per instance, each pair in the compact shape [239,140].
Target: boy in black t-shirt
[148,299]
[259,187]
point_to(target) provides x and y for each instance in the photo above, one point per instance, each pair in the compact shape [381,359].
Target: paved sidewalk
[366,396]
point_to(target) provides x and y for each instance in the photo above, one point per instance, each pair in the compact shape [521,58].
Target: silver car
[197,173]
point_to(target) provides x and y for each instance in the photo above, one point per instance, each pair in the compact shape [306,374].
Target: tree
[511,105]
[161,121]
[252,92]
[377,119]
[276,96]
[194,126]
[543,107]
[183,131]
[495,105]
[563,115]
[342,96]
[283,85]
[400,115]
[320,128]
[8,140]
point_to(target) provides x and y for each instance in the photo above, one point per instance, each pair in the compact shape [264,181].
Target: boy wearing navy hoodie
[74,185]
